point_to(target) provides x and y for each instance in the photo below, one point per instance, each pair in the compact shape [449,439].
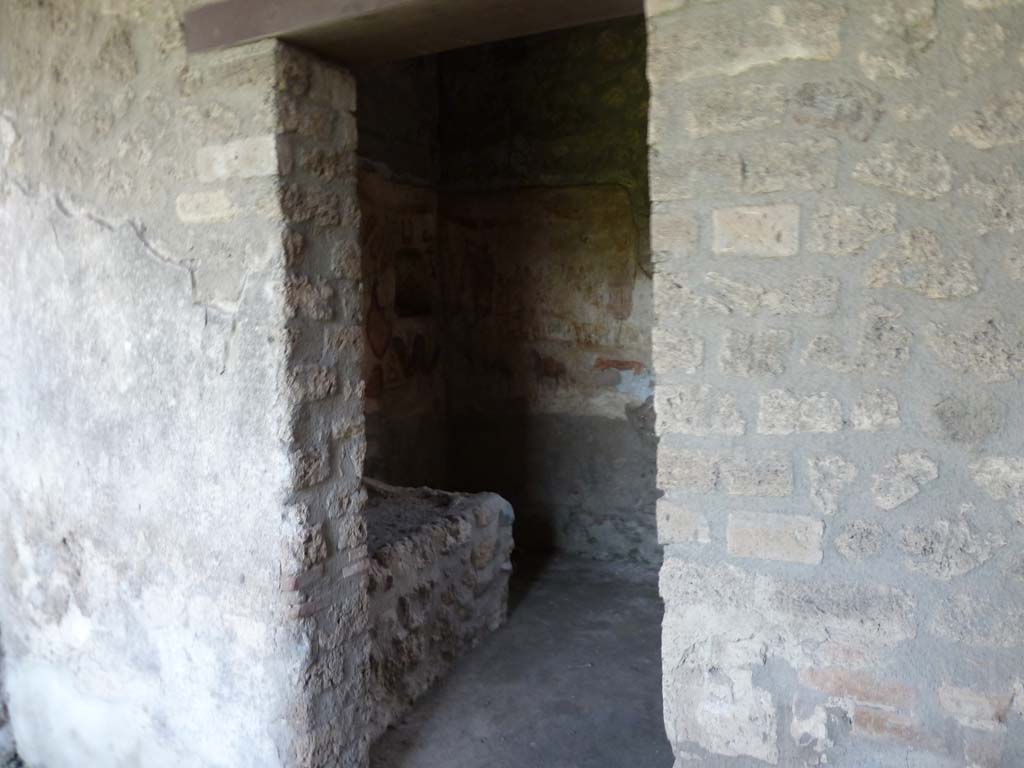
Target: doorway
[506,265]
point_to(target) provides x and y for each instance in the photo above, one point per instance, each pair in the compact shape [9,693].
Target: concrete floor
[573,680]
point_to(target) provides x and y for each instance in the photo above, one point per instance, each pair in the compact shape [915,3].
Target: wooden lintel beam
[367,30]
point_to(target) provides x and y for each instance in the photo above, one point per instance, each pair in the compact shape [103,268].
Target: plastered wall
[836,225]
[182,565]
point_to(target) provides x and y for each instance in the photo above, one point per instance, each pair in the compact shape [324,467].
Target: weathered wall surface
[837,205]
[544,253]
[438,581]
[180,549]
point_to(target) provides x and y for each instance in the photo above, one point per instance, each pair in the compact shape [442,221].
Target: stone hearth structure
[439,570]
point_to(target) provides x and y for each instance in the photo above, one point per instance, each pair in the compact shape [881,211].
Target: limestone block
[762,353]
[674,230]
[946,548]
[1002,478]
[805,165]
[204,207]
[319,206]
[309,383]
[790,538]
[767,475]
[708,600]
[309,298]
[917,262]
[968,417]
[847,230]
[902,478]
[676,351]
[889,58]
[687,470]
[913,20]
[828,477]
[860,540]
[876,410]
[883,344]
[719,110]
[697,410]
[678,524]
[906,168]
[978,620]
[345,341]
[983,347]
[310,466]
[900,31]
[768,231]
[999,199]
[981,45]
[782,413]
[716,39]
[995,125]
[240,159]
[812,296]
[306,119]
[686,173]
[837,105]
[328,166]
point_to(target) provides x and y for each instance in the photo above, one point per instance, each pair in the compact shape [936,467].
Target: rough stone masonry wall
[837,217]
[324,291]
[439,574]
[182,570]
[544,252]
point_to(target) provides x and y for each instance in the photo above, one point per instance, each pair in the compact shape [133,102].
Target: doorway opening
[506,269]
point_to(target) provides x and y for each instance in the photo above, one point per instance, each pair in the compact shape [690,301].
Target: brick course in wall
[836,215]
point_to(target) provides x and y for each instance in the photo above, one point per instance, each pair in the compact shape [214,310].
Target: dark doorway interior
[506,260]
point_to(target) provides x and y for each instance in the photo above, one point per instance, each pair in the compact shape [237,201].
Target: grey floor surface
[573,680]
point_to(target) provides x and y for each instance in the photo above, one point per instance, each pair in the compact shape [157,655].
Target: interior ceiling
[360,31]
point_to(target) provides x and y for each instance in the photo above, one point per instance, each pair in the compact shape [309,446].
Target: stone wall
[326,438]
[837,203]
[439,574]
[182,565]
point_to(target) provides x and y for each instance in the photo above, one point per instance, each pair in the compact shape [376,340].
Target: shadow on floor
[573,680]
